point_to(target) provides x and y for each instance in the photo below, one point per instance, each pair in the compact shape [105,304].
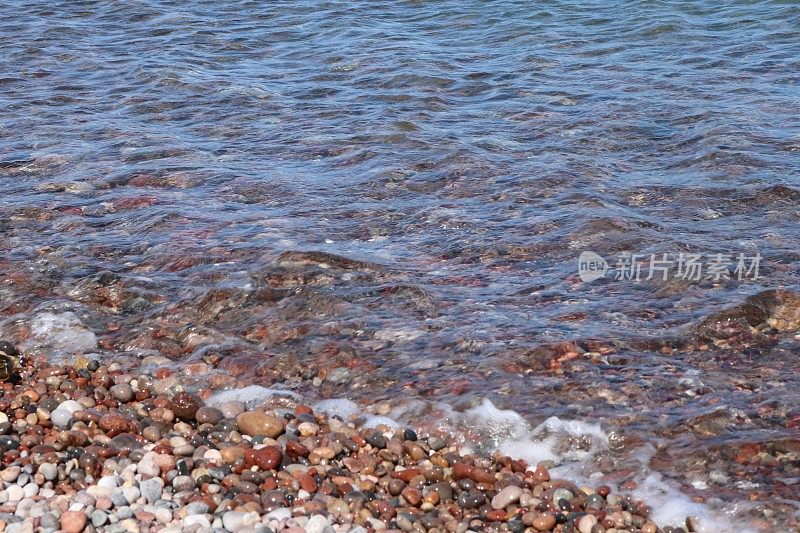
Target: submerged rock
[62,332]
[295,259]
[778,309]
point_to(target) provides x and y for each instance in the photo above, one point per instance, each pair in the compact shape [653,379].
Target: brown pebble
[308,484]
[540,474]
[462,471]
[115,423]
[73,521]
[232,453]
[412,496]
[414,450]
[395,487]
[649,527]
[544,522]
[259,423]
[208,415]
[407,474]
[185,405]
[496,515]
[295,449]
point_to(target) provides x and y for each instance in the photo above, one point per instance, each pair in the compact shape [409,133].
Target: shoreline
[115,457]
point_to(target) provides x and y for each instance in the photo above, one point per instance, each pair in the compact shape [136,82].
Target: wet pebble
[122,393]
[259,423]
[506,497]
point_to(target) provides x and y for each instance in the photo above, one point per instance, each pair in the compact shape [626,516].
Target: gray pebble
[49,471]
[196,508]
[60,418]
[49,521]
[124,512]
[562,494]
[21,527]
[99,518]
[182,483]
[119,499]
[131,494]
[151,489]
[122,392]
[436,443]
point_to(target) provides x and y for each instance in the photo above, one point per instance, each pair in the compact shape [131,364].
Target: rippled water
[158,157]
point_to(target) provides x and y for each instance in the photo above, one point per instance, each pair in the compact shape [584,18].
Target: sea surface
[385,202]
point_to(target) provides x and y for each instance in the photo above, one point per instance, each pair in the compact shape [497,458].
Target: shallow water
[157,158]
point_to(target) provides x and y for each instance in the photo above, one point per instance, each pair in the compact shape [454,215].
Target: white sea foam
[374,421]
[251,396]
[571,444]
[350,411]
[671,507]
[567,443]
[341,407]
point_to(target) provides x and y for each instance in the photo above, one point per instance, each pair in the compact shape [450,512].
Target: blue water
[471,150]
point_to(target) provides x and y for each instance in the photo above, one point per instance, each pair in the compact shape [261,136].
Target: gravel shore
[90,447]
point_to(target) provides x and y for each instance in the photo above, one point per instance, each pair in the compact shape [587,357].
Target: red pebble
[268,457]
[407,474]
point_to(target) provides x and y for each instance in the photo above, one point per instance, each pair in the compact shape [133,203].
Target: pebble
[259,423]
[122,513]
[157,459]
[70,406]
[73,521]
[587,523]
[183,483]
[15,493]
[318,524]
[209,415]
[196,508]
[60,417]
[231,409]
[99,518]
[49,471]
[506,497]
[151,489]
[196,519]
[595,501]
[544,522]
[49,521]
[147,465]
[238,520]
[122,392]
[10,474]
[163,515]
[131,494]
[30,490]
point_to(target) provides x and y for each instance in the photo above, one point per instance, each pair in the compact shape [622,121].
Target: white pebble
[15,493]
[194,519]
[586,523]
[318,524]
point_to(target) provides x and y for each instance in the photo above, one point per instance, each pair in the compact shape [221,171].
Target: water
[158,157]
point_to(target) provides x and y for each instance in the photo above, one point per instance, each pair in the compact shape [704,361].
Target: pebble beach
[90,447]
